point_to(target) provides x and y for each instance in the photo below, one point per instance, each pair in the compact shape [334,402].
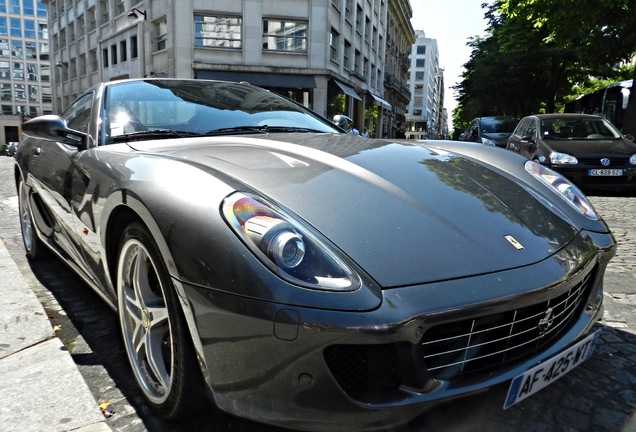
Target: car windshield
[578,129]
[154,109]
[498,125]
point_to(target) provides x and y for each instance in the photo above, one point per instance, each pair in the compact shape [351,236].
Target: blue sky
[452,23]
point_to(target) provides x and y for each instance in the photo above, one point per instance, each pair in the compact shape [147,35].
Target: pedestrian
[365,134]
[354,130]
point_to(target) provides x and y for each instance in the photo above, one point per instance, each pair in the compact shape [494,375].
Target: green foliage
[540,53]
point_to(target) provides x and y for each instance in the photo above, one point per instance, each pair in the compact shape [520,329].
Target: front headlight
[557,158]
[563,187]
[286,246]
[632,159]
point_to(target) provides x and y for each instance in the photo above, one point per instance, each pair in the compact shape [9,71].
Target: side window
[78,115]
[474,131]
[531,129]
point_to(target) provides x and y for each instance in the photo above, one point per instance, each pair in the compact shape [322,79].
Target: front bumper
[315,369]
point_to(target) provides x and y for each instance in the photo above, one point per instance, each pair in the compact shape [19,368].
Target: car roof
[565,116]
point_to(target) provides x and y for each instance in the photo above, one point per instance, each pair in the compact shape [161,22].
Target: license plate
[550,370]
[606,172]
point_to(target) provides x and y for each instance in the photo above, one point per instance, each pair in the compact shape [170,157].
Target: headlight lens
[632,159]
[287,247]
[557,158]
[564,188]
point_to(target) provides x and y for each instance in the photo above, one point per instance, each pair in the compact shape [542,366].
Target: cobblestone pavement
[597,396]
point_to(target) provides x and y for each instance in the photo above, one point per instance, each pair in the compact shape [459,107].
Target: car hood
[618,147]
[404,212]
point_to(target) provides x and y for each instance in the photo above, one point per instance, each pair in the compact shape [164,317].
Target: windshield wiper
[260,129]
[293,129]
[239,129]
[155,134]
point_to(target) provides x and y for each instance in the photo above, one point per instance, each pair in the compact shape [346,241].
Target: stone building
[330,55]
[25,88]
[426,116]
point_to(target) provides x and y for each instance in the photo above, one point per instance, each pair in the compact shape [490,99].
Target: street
[597,395]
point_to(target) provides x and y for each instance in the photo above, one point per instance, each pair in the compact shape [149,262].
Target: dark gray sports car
[301,276]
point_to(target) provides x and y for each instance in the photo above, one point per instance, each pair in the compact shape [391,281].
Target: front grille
[484,344]
[615,161]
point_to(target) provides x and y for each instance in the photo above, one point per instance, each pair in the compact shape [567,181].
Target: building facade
[426,117]
[25,87]
[329,55]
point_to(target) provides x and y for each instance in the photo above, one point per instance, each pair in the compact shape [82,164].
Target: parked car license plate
[550,370]
[606,172]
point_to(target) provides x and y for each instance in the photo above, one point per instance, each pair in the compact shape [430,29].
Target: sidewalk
[40,386]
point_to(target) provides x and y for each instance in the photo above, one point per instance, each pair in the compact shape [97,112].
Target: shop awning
[347,90]
[381,101]
[261,79]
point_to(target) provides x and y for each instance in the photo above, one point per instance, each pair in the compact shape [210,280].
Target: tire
[32,244]
[155,334]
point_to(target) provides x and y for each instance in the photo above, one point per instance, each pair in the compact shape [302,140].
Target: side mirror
[53,128]
[630,137]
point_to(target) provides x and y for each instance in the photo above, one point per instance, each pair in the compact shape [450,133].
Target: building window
[14,7]
[217,31]
[91,21]
[123,51]
[82,64]
[113,54]
[93,60]
[5,70]
[418,101]
[419,76]
[348,4]
[19,93]
[105,57]
[29,29]
[284,35]
[16,50]
[16,27]
[120,7]
[44,51]
[103,11]
[334,43]
[419,63]
[6,91]
[421,49]
[161,35]
[41,9]
[45,73]
[359,19]
[27,8]
[43,31]
[134,53]
[30,51]
[347,55]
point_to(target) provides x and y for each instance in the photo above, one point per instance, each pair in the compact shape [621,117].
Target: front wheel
[155,335]
[32,243]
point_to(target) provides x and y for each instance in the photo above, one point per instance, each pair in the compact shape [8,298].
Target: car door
[527,138]
[58,181]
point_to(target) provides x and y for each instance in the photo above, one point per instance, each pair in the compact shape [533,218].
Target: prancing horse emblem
[513,241]
[546,322]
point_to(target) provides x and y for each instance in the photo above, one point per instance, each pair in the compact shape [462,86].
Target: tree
[536,51]
[601,32]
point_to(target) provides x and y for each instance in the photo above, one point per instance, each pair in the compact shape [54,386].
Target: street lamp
[133,14]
